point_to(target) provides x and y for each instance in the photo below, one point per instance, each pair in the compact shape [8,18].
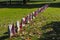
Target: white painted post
[33,15]
[18,26]
[10,31]
[28,19]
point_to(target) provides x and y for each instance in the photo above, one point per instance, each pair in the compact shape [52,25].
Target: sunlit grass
[8,15]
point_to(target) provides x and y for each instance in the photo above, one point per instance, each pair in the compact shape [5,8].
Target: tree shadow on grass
[20,5]
[51,35]
[5,36]
[56,5]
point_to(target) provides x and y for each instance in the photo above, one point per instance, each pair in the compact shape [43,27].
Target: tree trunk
[10,2]
[28,0]
[24,1]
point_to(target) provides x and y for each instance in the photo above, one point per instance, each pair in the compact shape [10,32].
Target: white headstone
[18,26]
[10,31]
[28,19]
[33,15]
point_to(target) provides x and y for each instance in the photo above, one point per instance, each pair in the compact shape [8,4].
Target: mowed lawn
[11,15]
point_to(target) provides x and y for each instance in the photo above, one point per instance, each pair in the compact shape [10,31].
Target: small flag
[41,10]
[28,21]
[46,6]
[36,13]
[21,27]
[23,22]
[38,10]
[13,30]
[30,17]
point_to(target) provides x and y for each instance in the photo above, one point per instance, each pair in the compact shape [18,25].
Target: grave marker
[11,30]
[23,22]
[18,26]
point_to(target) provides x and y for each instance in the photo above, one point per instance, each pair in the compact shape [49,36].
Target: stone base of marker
[28,21]
[23,24]
[11,35]
[18,33]
[28,38]
[33,17]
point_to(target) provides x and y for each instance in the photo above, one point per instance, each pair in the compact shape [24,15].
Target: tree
[24,1]
[10,2]
[28,0]
[54,0]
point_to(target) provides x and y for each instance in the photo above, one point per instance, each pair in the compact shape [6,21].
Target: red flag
[13,29]
[41,10]
[30,17]
[26,20]
[21,27]
[35,13]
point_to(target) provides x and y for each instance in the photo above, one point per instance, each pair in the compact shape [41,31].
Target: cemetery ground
[46,25]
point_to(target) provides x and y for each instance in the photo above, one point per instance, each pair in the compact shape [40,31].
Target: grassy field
[9,15]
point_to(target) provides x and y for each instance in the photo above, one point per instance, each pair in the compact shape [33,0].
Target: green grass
[9,15]
[45,18]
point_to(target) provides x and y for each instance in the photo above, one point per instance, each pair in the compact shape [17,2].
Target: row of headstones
[14,30]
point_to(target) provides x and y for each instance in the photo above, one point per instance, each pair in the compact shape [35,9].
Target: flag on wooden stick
[46,6]
[13,30]
[42,9]
[36,13]
[30,17]
[21,27]
[28,21]
[38,10]
[23,22]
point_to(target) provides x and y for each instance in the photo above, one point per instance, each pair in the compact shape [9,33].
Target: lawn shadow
[56,5]
[51,35]
[20,5]
[5,36]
